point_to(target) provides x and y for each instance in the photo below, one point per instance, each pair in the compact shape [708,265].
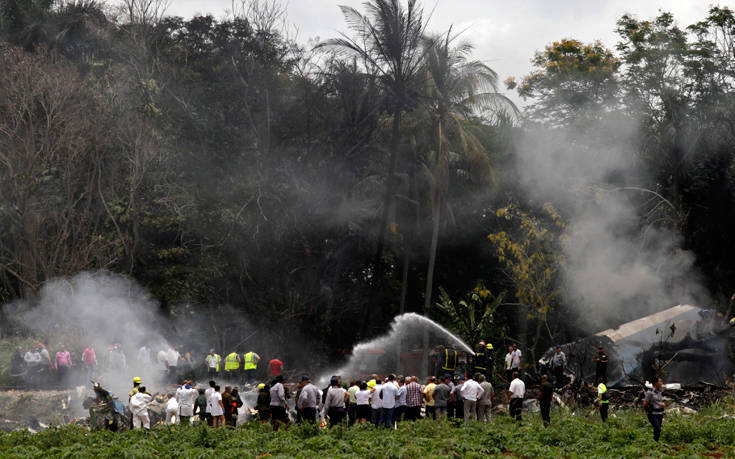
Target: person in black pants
[545,395]
[654,406]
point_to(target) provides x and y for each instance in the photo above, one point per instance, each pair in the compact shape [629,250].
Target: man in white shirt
[139,408]
[471,391]
[516,358]
[308,401]
[144,355]
[517,391]
[172,410]
[389,396]
[186,396]
[32,359]
[208,394]
[172,361]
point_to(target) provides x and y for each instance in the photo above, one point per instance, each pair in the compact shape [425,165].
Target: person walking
[601,362]
[603,400]
[278,403]
[213,361]
[485,402]
[308,401]
[335,403]
[250,366]
[517,392]
[441,398]
[90,361]
[413,399]
[139,409]
[389,397]
[471,392]
[558,363]
[654,405]
[545,395]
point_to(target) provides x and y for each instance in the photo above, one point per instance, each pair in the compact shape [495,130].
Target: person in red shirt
[276,366]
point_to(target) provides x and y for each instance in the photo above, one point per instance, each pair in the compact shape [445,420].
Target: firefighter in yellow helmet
[136,384]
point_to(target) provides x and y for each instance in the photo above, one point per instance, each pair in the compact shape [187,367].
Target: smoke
[624,255]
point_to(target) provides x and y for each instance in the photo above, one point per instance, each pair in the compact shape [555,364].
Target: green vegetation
[626,435]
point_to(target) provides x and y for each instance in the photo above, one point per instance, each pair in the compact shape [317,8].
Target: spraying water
[400,350]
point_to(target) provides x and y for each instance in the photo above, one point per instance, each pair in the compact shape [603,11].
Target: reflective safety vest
[250,362]
[480,361]
[216,358]
[450,360]
[604,396]
[231,362]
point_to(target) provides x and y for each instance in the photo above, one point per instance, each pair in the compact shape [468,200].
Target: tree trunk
[436,193]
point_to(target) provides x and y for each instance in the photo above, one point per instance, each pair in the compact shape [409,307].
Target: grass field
[628,434]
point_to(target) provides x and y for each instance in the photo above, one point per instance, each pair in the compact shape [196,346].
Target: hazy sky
[506,34]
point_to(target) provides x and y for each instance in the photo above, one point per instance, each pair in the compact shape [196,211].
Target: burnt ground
[38,409]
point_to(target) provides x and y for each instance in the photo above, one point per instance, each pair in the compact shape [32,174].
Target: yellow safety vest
[250,363]
[603,389]
[450,360]
[231,362]
[216,357]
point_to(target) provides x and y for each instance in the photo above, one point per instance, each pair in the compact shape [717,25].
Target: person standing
[216,407]
[506,365]
[603,400]
[485,403]
[201,406]
[441,398]
[250,366]
[471,392]
[136,387]
[456,399]
[413,399]
[187,397]
[232,366]
[308,402]
[263,403]
[401,402]
[32,359]
[429,396]
[144,356]
[389,396]
[236,405]
[90,361]
[558,363]
[334,404]
[517,392]
[208,393]
[376,415]
[139,409]
[213,361]
[62,364]
[545,395]
[654,406]
[172,363]
[480,358]
[351,408]
[516,360]
[362,411]
[278,403]
[276,367]
[227,406]
[601,362]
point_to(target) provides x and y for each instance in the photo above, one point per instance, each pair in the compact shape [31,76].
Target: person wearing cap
[263,404]
[187,397]
[308,402]
[136,386]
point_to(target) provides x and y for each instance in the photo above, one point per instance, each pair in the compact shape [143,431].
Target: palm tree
[457,89]
[388,41]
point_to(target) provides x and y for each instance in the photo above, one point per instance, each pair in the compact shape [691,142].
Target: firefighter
[232,365]
[480,359]
[449,360]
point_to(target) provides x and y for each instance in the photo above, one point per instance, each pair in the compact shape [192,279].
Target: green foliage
[627,434]
[471,318]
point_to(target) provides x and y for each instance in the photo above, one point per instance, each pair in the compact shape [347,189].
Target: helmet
[261,386]
[137,380]
[732,322]
[371,383]
[489,346]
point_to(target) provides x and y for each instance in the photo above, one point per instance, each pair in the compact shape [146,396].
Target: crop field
[709,433]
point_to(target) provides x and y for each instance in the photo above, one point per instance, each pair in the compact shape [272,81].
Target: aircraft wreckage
[684,344]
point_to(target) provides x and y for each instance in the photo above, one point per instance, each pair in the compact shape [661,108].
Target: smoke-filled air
[229,216]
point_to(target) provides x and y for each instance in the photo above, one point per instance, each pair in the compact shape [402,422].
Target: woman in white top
[363,404]
[217,409]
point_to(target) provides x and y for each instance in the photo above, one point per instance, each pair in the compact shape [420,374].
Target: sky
[505,34]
